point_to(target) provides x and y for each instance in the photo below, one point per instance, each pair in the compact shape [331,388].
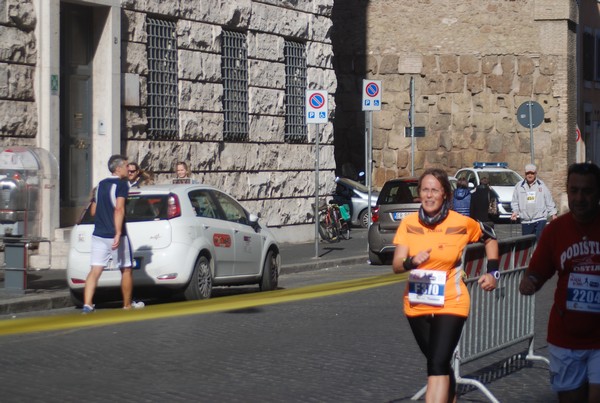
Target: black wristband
[408,264]
[492,265]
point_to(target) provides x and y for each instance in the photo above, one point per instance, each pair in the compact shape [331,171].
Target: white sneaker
[136,305]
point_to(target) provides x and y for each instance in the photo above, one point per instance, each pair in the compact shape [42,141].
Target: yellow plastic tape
[230,303]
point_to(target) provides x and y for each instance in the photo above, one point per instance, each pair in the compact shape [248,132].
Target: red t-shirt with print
[572,250]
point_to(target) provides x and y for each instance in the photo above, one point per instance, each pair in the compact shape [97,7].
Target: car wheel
[200,285]
[76,298]
[363,218]
[270,275]
[375,258]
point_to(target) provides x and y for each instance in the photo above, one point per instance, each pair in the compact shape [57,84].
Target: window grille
[163,106]
[295,92]
[234,69]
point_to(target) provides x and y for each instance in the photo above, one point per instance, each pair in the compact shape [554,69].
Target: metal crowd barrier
[500,318]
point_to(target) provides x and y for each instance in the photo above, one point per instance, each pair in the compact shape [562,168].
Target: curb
[317,264]
[43,300]
[36,302]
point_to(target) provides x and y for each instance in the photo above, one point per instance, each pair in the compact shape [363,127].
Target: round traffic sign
[316,101]
[530,114]
[372,89]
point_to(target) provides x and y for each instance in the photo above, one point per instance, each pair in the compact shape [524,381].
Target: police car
[501,179]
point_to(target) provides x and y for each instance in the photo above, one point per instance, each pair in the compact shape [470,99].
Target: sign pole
[369,167]
[412,126]
[530,114]
[317,192]
[316,112]
[371,101]
[531,131]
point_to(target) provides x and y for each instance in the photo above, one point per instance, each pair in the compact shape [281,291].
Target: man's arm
[550,205]
[541,267]
[514,203]
[119,217]
[530,283]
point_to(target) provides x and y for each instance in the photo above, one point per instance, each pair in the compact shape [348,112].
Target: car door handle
[205,226]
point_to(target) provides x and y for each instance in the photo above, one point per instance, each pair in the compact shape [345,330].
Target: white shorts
[569,369]
[104,255]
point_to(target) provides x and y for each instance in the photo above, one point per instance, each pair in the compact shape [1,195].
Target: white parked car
[501,179]
[185,238]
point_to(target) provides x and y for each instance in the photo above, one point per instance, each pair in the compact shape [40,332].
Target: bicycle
[342,214]
[331,225]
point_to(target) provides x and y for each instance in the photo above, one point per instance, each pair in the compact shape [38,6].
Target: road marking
[230,303]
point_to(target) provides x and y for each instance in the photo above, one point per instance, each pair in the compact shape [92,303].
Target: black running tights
[437,337]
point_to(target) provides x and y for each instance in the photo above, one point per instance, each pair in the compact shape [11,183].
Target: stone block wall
[267,174]
[18,52]
[473,64]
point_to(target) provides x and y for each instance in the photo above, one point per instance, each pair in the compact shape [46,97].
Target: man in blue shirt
[110,245]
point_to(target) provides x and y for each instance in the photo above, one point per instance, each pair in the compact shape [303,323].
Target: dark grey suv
[397,198]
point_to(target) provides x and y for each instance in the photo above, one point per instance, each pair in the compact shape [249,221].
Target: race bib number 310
[583,293]
[426,287]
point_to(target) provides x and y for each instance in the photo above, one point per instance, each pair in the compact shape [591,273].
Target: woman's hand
[421,257]
[488,282]
[401,254]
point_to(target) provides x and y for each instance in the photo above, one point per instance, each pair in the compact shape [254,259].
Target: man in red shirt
[570,247]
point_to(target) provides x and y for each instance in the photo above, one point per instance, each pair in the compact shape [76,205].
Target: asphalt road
[336,346]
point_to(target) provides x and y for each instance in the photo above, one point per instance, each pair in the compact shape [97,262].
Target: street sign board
[530,114]
[419,131]
[371,95]
[316,107]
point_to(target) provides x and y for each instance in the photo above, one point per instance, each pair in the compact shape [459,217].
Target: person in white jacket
[532,203]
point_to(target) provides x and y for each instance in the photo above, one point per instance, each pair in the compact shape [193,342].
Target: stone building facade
[76,80]
[588,144]
[473,63]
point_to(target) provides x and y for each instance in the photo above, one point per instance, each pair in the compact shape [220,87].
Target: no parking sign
[371,99]
[316,107]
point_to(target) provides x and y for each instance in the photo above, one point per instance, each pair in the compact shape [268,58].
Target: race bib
[530,197]
[426,287]
[583,293]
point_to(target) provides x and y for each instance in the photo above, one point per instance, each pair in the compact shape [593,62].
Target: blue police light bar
[490,164]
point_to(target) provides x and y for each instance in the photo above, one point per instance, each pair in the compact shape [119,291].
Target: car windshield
[506,178]
[138,208]
[399,193]
[354,184]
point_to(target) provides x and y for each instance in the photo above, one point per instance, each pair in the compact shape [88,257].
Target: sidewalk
[47,289]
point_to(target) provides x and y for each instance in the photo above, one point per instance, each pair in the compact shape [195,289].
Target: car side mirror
[253,218]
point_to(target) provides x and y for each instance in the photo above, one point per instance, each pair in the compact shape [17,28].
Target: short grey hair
[116,161]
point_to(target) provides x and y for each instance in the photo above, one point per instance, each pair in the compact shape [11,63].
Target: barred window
[234,69]
[163,107]
[295,92]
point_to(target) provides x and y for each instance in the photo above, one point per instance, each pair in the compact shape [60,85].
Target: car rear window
[138,208]
[146,208]
[399,193]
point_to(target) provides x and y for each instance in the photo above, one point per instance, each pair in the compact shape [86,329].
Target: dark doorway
[76,56]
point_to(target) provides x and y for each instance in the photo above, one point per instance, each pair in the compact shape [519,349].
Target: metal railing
[498,319]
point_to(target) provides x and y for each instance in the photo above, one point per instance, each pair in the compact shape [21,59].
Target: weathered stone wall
[266,173]
[473,63]
[18,51]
